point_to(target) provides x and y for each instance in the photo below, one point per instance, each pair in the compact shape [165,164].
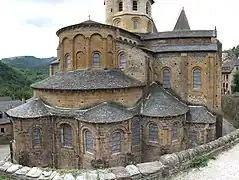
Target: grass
[5,178]
[201,161]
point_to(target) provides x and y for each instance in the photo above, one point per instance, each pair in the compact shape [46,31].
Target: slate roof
[5,98]
[185,48]
[182,22]
[180,34]
[88,80]
[106,112]
[57,61]
[31,109]
[228,65]
[199,114]
[161,103]
[6,105]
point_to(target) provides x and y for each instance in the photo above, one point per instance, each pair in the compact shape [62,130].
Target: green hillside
[27,62]
[14,83]
[17,73]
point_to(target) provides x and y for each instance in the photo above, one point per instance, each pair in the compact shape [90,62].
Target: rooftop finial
[89,17]
[182,8]
[215,28]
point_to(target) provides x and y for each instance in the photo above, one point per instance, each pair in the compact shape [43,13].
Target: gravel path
[225,167]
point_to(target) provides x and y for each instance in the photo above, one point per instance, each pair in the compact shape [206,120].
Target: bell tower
[131,15]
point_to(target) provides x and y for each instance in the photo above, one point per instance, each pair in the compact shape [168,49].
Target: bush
[201,161]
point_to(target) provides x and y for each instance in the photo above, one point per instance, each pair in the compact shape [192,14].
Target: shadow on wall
[230,108]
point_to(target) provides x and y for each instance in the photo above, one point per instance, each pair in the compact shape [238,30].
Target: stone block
[45,175]
[170,160]
[57,177]
[34,172]
[13,168]
[150,167]
[109,176]
[183,156]
[5,166]
[23,171]
[192,153]
[120,172]
[2,162]
[53,174]
[132,170]
[88,175]
[69,177]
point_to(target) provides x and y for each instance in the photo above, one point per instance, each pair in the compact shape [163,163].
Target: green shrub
[200,161]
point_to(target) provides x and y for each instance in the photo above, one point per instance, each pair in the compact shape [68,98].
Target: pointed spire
[182,22]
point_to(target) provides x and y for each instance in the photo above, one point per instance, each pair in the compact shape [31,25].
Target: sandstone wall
[167,165]
[181,67]
[72,99]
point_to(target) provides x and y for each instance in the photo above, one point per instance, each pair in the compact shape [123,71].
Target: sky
[28,27]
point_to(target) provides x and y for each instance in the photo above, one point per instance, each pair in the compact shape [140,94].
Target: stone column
[62,63]
[104,58]
[88,53]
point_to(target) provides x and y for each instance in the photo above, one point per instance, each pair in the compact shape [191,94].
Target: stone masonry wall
[72,99]
[230,105]
[167,165]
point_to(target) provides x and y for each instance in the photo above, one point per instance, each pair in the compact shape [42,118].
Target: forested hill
[13,83]
[17,73]
[27,62]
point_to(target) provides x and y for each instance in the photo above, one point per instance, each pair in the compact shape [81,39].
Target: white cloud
[28,26]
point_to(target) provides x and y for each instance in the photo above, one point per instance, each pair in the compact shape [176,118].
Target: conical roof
[161,103]
[32,109]
[106,112]
[182,22]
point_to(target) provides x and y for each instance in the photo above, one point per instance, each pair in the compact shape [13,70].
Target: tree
[235,50]
[236,81]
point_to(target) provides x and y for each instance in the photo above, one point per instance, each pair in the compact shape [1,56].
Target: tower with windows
[132,15]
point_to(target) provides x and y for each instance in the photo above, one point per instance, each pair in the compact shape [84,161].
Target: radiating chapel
[122,93]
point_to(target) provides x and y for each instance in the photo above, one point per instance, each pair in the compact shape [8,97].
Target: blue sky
[28,26]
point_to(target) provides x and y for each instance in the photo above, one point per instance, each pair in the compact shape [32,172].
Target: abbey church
[122,93]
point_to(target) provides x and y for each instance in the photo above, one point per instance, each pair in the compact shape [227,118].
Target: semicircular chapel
[121,93]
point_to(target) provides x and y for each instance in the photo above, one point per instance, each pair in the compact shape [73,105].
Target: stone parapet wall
[167,165]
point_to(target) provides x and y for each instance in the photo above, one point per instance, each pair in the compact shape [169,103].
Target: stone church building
[121,93]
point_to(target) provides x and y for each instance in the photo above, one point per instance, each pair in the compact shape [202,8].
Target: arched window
[135,129]
[89,141]
[120,6]
[135,5]
[135,24]
[196,78]
[153,133]
[68,60]
[122,59]
[116,142]
[36,138]
[175,128]
[96,59]
[148,8]
[166,78]
[66,135]
[117,22]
